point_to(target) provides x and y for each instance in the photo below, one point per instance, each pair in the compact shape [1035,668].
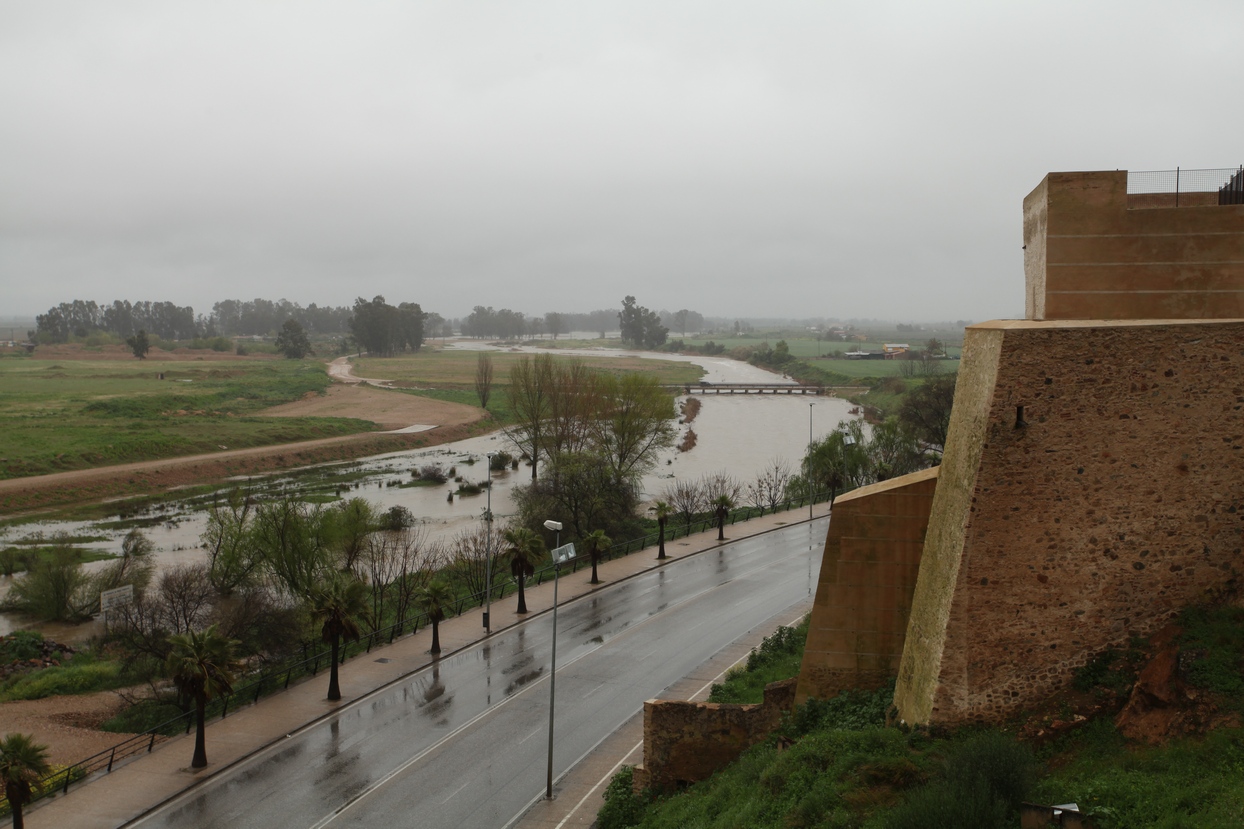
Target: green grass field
[57,415]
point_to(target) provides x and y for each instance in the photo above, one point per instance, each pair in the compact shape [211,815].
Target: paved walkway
[149,780]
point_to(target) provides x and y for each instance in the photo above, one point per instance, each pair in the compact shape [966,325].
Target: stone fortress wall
[1090,485]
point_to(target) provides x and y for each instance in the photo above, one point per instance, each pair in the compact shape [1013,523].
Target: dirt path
[408,422]
[67,725]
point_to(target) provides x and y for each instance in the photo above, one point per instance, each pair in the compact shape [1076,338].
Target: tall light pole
[556,526]
[809,470]
[488,554]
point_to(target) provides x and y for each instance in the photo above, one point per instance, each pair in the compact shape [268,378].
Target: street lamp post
[556,526]
[488,554]
[809,470]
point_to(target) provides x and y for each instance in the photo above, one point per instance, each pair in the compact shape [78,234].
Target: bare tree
[769,489]
[468,556]
[483,378]
[721,483]
[686,498]
[394,567]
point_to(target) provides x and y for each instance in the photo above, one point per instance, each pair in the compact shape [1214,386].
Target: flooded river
[740,434]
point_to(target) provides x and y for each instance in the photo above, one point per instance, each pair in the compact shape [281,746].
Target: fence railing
[1227,182]
[280,678]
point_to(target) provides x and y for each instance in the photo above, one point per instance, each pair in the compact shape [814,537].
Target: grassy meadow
[58,415]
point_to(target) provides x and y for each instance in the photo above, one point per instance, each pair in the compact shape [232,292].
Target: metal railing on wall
[314,660]
[1227,182]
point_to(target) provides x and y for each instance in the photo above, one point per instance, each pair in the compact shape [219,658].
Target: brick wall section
[1093,252]
[863,594]
[688,741]
[1115,506]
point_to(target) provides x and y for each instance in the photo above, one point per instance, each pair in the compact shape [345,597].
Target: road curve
[463,743]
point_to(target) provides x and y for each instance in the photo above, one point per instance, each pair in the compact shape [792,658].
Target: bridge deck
[747,388]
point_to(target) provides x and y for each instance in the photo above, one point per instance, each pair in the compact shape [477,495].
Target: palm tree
[596,542]
[201,665]
[526,551]
[663,514]
[23,763]
[340,603]
[433,599]
[721,508]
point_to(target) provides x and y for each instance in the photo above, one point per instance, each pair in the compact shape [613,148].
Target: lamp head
[556,526]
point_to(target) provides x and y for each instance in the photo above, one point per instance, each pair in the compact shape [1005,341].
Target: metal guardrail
[277,679]
[1227,182]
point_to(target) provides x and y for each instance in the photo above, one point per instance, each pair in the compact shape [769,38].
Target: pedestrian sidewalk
[148,780]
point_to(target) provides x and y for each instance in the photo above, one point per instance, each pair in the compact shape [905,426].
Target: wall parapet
[685,742]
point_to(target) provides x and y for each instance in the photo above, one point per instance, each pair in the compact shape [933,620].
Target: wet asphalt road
[464,743]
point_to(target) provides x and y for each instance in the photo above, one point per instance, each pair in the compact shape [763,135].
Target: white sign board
[116,597]
[563,553]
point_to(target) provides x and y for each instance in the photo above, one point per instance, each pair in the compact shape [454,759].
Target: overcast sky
[763,159]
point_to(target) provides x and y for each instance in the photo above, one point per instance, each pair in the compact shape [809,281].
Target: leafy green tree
[351,523]
[526,550]
[554,323]
[340,605]
[662,511]
[531,381]
[596,542]
[433,599]
[292,340]
[640,327]
[294,542]
[23,763]
[635,422]
[202,666]
[54,587]
[139,344]
[925,410]
[233,555]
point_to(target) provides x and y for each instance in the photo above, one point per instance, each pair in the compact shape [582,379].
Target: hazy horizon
[828,160]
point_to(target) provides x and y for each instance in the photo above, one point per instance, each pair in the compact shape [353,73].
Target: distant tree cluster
[383,330]
[122,319]
[261,317]
[505,324]
[167,321]
[640,327]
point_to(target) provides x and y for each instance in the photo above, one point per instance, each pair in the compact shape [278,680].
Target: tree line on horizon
[79,319]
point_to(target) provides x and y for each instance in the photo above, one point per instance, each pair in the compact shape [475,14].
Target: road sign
[116,597]
[563,553]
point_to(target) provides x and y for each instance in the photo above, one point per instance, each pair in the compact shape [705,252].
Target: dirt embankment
[389,410]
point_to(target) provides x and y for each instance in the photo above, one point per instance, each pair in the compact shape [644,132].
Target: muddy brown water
[741,434]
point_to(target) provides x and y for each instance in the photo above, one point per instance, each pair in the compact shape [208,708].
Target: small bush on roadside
[145,716]
[81,676]
[622,807]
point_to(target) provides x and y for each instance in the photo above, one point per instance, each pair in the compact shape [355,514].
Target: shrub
[850,710]
[996,761]
[145,716]
[20,645]
[433,474]
[69,679]
[622,807]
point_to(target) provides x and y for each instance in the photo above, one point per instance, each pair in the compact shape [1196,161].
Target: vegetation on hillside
[834,764]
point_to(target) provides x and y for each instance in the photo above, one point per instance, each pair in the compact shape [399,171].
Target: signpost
[116,597]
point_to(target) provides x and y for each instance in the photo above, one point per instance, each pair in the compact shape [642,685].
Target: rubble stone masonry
[1090,489]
